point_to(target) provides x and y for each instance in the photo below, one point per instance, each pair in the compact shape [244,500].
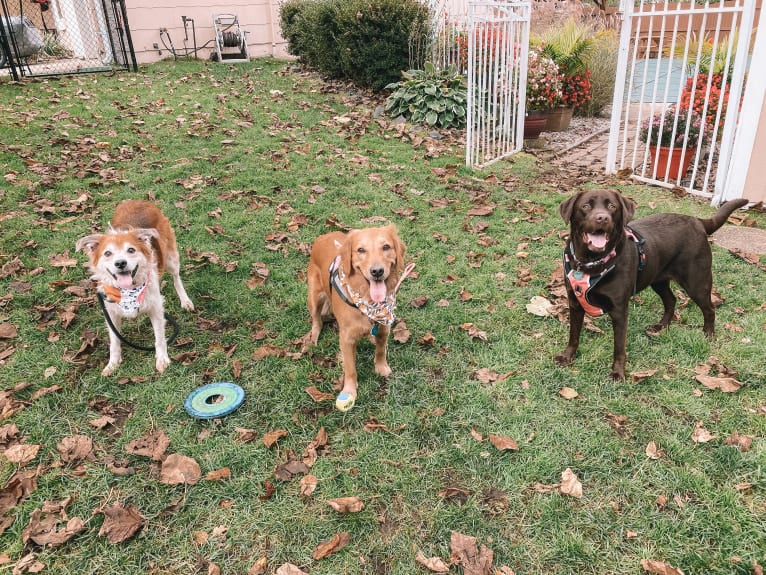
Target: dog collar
[380,313]
[129,299]
[592,265]
[582,282]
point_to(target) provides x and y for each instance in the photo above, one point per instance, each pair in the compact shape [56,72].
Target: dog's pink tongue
[124,281]
[378,291]
[597,241]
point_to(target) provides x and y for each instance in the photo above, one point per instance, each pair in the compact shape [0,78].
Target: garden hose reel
[230,39]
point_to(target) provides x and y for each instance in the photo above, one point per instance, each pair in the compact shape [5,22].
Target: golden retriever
[354,277]
[128,262]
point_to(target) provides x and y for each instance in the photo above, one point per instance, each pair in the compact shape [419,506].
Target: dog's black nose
[121,264]
[377,272]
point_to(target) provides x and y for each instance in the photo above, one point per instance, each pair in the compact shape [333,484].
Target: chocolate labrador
[606,262]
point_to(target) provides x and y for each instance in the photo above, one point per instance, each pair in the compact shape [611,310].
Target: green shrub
[310,28]
[292,28]
[375,38]
[435,97]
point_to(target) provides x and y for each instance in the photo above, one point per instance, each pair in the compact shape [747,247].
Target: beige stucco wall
[259,19]
[755,183]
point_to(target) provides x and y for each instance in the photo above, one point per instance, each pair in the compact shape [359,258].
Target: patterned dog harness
[380,313]
[129,300]
[582,281]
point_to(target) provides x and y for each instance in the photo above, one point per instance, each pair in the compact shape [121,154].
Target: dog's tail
[720,217]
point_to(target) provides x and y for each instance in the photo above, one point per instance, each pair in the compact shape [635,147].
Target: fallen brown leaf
[700,434]
[659,568]
[464,551]
[218,474]
[75,448]
[743,442]
[639,376]
[259,567]
[28,564]
[332,545]
[8,331]
[308,485]
[725,384]
[22,453]
[503,442]
[570,484]
[318,395]
[435,564]
[120,523]
[652,451]
[289,569]
[400,333]
[273,436]
[178,469]
[152,445]
[346,504]
[568,393]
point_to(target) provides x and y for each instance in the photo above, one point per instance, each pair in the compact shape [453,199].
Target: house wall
[259,19]
[755,182]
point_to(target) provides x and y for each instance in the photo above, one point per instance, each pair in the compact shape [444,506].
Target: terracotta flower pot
[534,123]
[559,118]
[663,157]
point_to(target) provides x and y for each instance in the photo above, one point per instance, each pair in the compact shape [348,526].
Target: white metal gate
[496,63]
[680,72]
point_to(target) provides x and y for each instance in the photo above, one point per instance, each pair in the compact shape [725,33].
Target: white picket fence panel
[660,50]
[488,42]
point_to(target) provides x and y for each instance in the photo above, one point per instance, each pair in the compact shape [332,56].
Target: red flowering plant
[544,81]
[717,97]
[576,90]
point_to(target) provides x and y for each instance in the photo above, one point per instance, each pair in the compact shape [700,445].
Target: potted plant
[543,91]
[570,46]
[672,137]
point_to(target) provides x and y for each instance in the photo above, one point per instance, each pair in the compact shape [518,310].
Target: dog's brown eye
[386,247]
[107,254]
[131,250]
[360,250]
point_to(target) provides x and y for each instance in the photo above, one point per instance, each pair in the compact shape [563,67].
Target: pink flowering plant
[659,129]
[544,81]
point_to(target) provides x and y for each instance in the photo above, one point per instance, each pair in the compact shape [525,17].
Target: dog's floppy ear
[399,248]
[88,243]
[628,208]
[345,253]
[567,207]
[147,234]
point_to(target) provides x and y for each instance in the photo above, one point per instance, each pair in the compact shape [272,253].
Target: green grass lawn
[251,163]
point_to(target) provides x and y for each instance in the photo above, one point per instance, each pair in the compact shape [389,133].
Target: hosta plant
[431,96]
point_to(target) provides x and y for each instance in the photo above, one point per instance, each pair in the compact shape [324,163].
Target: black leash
[121,337]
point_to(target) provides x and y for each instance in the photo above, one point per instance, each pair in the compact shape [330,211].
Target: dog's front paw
[383,370]
[564,358]
[161,363]
[618,373]
[109,369]
[187,305]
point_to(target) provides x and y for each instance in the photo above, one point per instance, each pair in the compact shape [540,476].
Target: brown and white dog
[354,278]
[128,262]
[610,258]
